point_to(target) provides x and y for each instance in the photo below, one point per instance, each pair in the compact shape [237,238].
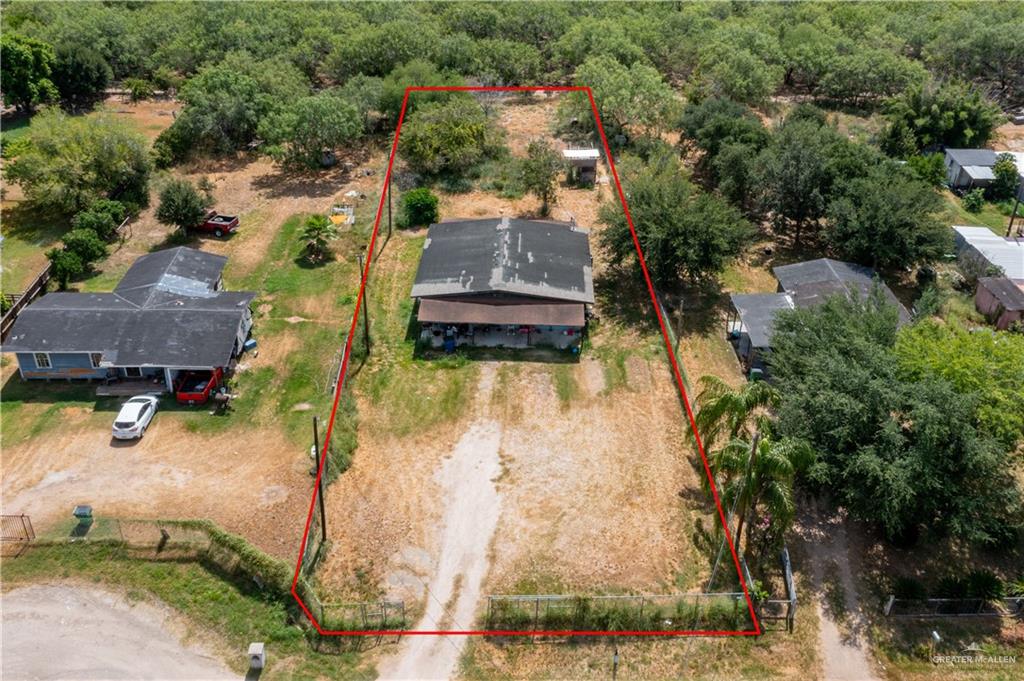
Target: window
[95,358]
[133,372]
[42,360]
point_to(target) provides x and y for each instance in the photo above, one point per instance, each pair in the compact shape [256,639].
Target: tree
[594,37]
[935,113]
[929,168]
[756,479]
[139,88]
[715,122]
[364,93]
[725,413]
[447,136]
[733,72]
[900,453]
[86,244]
[25,68]
[985,365]
[633,97]
[312,127]
[540,171]
[682,232]
[799,172]
[377,50]
[80,73]
[181,205]
[505,62]
[867,75]
[64,266]
[417,73]
[73,161]
[101,217]
[317,233]
[1006,178]
[895,228]
[419,207]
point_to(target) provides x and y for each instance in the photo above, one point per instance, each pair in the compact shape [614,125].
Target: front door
[133,372]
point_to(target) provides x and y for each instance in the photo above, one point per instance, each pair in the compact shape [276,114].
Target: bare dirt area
[79,632]
[1010,136]
[149,116]
[251,482]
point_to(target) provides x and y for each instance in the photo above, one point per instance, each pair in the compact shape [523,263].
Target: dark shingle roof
[524,257]
[973,157]
[814,281]
[164,312]
[757,314]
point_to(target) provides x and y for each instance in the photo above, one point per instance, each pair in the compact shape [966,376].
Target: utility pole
[366,311]
[1013,213]
[319,481]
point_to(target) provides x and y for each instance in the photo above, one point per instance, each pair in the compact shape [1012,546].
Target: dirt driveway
[72,632]
[254,483]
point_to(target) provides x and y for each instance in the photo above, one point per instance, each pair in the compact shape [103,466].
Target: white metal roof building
[1005,253]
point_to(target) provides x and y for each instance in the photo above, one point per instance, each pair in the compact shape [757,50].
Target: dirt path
[843,632]
[71,632]
[470,518]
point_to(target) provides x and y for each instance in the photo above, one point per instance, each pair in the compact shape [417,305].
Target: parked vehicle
[134,417]
[195,387]
[218,224]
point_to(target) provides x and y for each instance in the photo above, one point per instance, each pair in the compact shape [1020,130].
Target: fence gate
[17,528]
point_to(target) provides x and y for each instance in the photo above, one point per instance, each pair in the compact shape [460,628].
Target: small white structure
[583,163]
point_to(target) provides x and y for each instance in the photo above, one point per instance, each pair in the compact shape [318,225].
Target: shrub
[139,89]
[908,588]
[447,136]
[102,217]
[181,205]
[86,244]
[950,586]
[1006,179]
[974,200]
[64,266]
[419,208]
[928,168]
[984,584]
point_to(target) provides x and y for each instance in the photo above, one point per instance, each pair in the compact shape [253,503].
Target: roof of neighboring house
[979,172]
[540,259]
[814,281]
[533,314]
[998,251]
[1009,292]
[757,314]
[972,157]
[164,312]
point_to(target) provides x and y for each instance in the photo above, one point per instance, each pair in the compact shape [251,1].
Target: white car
[134,417]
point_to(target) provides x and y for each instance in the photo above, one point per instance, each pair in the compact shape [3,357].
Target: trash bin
[84,515]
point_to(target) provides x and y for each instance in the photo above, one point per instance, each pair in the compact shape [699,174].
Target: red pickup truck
[218,224]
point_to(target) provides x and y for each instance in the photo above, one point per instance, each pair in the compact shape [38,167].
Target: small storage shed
[582,164]
[969,168]
[750,326]
[1001,300]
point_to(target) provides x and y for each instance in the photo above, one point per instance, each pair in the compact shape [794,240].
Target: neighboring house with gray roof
[968,168]
[803,284]
[504,282]
[168,314]
[1003,255]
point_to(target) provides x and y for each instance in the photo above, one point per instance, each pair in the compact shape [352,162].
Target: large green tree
[540,171]
[80,73]
[181,205]
[447,136]
[900,453]
[939,113]
[888,219]
[25,67]
[73,161]
[683,232]
[312,127]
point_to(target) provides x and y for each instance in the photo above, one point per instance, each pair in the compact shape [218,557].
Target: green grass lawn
[990,215]
[232,608]
[28,234]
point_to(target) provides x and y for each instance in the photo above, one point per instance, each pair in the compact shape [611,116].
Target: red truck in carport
[218,224]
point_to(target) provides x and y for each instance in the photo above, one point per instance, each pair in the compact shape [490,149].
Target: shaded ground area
[76,632]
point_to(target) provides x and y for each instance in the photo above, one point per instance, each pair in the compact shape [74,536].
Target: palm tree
[316,234]
[727,413]
[759,474]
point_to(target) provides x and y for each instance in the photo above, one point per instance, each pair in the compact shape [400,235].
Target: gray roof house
[504,282]
[169,313]
[803,284]
[969,167]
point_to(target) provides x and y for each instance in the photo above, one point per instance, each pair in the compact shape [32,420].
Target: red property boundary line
[756,631]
